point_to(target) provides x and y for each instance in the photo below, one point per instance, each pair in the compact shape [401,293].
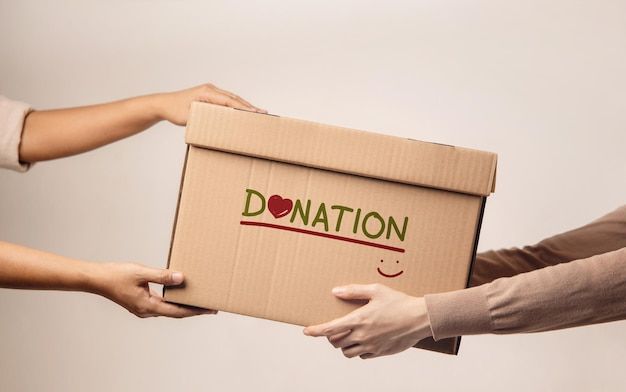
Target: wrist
[149,109]
[94,278]
[155,106]
[421,321]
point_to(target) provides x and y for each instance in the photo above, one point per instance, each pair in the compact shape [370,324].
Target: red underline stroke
[325,235]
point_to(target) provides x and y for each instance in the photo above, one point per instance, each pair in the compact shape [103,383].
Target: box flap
[341,149]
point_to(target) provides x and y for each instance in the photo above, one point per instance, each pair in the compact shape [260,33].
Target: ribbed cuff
[458,313]
[12,114]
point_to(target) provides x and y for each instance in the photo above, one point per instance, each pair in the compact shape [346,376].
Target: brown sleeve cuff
[457,313]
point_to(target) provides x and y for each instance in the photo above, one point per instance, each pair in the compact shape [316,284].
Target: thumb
[163,276]
[356,291]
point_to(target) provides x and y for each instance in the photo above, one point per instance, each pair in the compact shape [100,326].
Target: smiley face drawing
[386,275]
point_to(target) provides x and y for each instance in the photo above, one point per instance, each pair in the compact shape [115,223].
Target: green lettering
[246,209]
[392,223]
[298,210]
[321,216]
[341,209]
[379,218]
[356,220]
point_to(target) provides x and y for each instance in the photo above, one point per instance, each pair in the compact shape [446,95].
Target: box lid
[342,149]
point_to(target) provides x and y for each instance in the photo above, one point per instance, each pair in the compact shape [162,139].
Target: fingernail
[305,331]
[339,290]
[177,278]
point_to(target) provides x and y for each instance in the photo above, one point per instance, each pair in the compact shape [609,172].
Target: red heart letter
[278,206]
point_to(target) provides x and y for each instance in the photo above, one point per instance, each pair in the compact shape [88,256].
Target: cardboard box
[274,212]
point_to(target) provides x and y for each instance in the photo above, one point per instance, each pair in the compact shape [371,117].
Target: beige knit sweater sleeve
[572,279]
[12,115]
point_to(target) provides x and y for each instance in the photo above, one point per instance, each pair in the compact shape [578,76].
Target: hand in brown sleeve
[603,235]
[591,289]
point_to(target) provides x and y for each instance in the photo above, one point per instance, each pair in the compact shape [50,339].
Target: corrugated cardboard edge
[180,192]
[342,149]
[494,172]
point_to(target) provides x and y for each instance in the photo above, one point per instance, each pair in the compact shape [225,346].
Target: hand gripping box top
[274,212]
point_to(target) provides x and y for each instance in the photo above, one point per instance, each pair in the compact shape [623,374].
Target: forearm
[50,134]
[605,234]
[26,268]
[580,292]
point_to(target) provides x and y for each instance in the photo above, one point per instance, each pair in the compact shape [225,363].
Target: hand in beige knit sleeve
[571,279]
[603,235]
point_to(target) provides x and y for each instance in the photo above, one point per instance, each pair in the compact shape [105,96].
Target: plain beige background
[542,83]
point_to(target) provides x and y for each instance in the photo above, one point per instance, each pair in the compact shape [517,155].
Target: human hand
[127,285]
[174,106]
[389,323]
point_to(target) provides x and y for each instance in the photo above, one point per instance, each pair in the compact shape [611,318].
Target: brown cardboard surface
[342,149]
[279,265]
